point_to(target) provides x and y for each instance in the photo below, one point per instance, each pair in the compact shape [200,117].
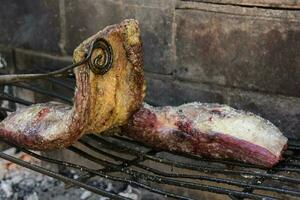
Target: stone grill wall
[243,56]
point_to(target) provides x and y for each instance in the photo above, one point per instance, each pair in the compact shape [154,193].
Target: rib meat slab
[210,130]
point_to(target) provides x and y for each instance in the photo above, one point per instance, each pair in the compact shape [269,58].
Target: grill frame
[143,176]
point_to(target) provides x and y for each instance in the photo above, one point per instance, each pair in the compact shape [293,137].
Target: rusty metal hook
[98,65]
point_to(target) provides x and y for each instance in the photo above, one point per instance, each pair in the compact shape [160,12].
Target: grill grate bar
[117,158]
[42,91]
[87,176]
[159,179]
[244,184]
[122,169]
[226,181]
[286,169]
[134,171]
[282,166]
[60,177]
[68,85]
[100,173]
[196,157]
[195,167]
[294,142]
[290,160]
[6,96]
[294,148]
[296,157]
[90,157]
[6,109]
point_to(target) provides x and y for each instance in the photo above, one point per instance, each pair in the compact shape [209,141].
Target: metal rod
[70,86]
[294,142]
[218,180]
[201,168]
[8,97]
[125,163]
[95,65]
[100,173]
[211,160]
[164,180]
[12,78]
[6,109]
[60,177]
[42,91]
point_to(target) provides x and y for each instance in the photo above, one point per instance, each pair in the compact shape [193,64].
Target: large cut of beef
[101,102]
[210,130]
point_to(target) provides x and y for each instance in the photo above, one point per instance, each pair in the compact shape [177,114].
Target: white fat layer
[248,128]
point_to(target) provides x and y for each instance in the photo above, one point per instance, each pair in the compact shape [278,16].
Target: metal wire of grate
[124,160]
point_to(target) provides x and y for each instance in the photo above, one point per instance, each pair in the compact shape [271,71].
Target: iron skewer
[97,65]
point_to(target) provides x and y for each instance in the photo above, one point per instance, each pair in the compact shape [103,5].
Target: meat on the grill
[209,130]
[101,102]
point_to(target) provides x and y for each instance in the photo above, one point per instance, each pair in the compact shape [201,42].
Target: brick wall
[239,55]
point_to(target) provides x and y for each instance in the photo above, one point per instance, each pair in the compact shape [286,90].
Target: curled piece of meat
[210,130]
[101,102]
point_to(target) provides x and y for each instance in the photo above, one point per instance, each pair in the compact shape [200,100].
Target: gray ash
[23,184]
[18,183]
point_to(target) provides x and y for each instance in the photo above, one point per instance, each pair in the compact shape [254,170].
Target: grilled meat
[101,102]
[209,130]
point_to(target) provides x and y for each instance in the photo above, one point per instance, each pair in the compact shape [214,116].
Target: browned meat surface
[114,96]
[101,102]
[209,130]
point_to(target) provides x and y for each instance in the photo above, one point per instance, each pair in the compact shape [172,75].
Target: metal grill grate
[124,160]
